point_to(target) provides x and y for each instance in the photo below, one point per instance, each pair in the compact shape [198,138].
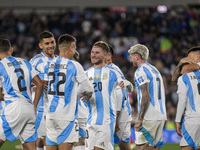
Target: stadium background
[167,28]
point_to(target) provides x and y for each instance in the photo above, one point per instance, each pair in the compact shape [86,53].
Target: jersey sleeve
[128,85]
[81,76]
[141,78]
[182,96]
[41,66]
[119,98]
[34,72]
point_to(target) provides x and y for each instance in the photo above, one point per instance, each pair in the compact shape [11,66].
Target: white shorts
[82,127]
[18,118]
[124,133]
[2,105]
[101,136]
[40,124]
[61,131]
[151,133]
[191,135]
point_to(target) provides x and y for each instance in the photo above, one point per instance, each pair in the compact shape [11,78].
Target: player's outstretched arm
[39,89]
[177,72]
[85,90]
[126,85]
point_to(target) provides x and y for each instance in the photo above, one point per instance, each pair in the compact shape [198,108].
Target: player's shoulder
[37,57]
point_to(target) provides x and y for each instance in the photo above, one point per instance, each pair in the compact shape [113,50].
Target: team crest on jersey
[105,76]
[90,78]
[102,144]
[58,59]
[96,76]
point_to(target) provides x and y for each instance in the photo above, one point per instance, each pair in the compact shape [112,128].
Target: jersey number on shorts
[62,81]
[98,85]
[19,80]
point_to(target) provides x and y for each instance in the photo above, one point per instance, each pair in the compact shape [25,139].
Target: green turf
[11,146]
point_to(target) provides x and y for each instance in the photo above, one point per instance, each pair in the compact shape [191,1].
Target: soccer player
[151,100]
[102,112]
[189,68]
[18,117]
[189,94]
[48,44]
[123,119]
[64,75]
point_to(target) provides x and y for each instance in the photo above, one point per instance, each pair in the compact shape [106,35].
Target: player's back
[147,73]
[62,88]
[191,85]
[16,79]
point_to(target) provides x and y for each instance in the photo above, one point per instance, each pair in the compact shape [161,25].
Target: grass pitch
[13,146]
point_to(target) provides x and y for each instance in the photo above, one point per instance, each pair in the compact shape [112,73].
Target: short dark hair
[102,45]
[45,34]
[4,45]
[111,49]
[196,48]
[66,39]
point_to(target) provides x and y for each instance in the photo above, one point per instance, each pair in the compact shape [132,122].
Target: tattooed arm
[144,105]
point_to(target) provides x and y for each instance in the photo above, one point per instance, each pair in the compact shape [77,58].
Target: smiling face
[97,55]
[48,45]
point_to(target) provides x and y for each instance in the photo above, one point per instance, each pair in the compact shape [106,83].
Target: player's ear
[11,50]
[40,45]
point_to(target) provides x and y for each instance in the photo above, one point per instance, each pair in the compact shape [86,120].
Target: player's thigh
[149,132]
[61,131]
[191,135]
[100,136]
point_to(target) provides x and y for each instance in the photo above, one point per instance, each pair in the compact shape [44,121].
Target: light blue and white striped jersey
[63,78]
[122,99]
[102,104]
[16,75]
[2,103]
[147,73]
[36,60]
[189,90]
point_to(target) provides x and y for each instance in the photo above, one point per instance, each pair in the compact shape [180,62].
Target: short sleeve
[34,72]
[141,78]
[181,87]
[81,76]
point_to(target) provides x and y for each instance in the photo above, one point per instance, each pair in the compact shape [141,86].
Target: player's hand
[121,84]
[45,84]
[84,97]
[138,125]
[186,60]
[117,126]
[178,129]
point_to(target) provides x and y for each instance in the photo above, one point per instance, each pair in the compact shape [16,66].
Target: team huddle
[53,103]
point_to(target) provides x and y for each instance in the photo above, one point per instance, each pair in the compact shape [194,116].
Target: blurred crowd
[167,35]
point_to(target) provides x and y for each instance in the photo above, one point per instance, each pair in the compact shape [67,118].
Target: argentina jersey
[189,88]
[35,61]
[147,73]
[122,99]
[63,78]
[16,75]
[102,104]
